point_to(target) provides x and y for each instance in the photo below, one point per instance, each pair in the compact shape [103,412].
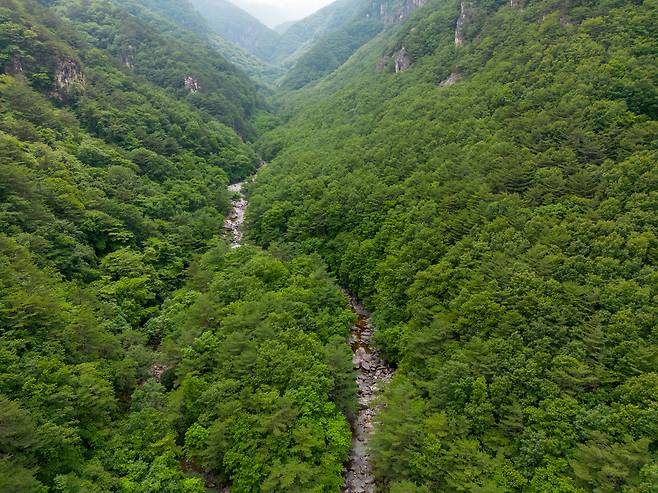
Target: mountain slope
[138,352]
[484,178]
[331,37]
[300,36]
[184,15]
[180,12]
[239,27]
[144,42]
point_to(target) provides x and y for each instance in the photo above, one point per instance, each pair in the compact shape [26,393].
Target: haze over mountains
[273,13]
[311,47]
[449,275]
[237,26]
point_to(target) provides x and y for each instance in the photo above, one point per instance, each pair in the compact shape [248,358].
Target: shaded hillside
[299,36]
[180,12]
[170,57]
[184,14]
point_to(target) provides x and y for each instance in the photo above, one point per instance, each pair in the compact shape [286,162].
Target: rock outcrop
[128,58]
[69,75]
[157,371]
[192,85]
[15,66]
[402,60]
[395,13]
[451,80]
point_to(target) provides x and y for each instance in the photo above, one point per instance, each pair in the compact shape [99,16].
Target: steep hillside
[170,57]
[313,47]
[332,37]
[298,37]
[138,353]
[183,14]
[268,13]
[480,174]
[260,71]
[180,12]
[484,177]
[283,27]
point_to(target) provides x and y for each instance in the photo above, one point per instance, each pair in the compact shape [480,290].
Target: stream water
[233,223]
[371,373]
[371,370]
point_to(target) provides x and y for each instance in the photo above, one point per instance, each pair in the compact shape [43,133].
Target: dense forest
[495,204]
[480,174]
[113,284]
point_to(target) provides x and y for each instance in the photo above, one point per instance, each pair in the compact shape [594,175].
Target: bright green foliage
[495,204]
[253,342]
[113,182]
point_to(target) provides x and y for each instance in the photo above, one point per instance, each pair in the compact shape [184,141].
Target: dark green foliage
[166,55]
[329,52]
[495,205]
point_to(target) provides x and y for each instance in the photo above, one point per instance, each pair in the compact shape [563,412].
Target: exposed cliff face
[15,66]
[391,12]
[465,13]
[409,6]
[68,76]
[396,11]
[128,58]
[452,80]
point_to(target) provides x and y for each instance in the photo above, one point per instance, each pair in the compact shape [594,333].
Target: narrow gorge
[371,370]
[235,217]
[445,279]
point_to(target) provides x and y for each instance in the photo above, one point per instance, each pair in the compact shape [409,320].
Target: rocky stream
[371,370]
[235,218]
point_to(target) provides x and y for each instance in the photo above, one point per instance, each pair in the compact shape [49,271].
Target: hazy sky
[274,12]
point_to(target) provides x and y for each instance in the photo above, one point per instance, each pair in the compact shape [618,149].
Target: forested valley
[448,280]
